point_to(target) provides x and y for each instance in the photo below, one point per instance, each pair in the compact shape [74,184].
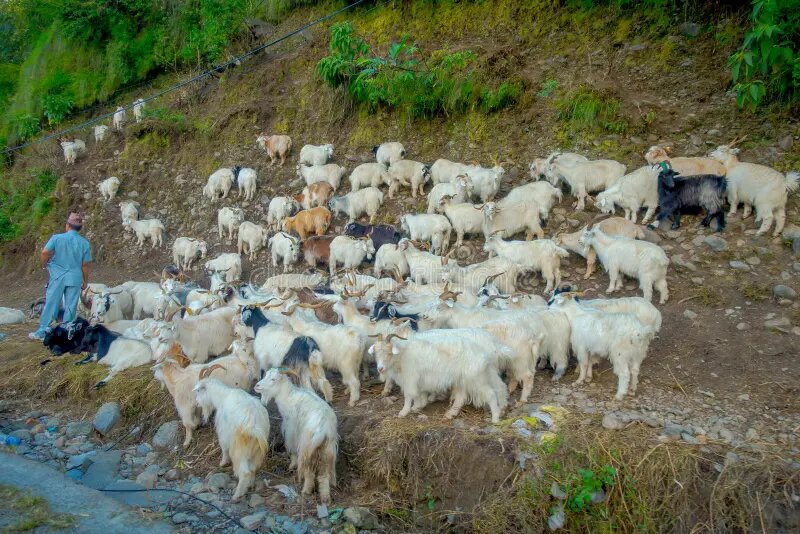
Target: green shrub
[767,66]
[444,84]
[589,111]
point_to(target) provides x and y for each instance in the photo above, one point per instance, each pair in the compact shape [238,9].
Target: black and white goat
[676,193]
[112,349]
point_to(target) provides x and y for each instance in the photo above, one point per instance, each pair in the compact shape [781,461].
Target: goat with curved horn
[205,372]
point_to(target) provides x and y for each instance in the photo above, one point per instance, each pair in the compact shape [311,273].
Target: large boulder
[166,436]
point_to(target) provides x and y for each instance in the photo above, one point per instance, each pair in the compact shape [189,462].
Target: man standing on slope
[67,258]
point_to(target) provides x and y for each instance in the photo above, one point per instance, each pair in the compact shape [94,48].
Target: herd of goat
[437,329]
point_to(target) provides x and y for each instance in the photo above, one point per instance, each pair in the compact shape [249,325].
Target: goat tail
[248,448]
[792,181]
[562,252]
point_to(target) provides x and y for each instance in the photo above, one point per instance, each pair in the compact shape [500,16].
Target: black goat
[253,317]
[381,234]
[676,193]
[386,310]
[66,337]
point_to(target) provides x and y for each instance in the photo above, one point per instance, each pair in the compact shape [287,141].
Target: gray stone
[791,231]
[22,434]
[78,428]
[784,292]
[786,142]
[147,479]
[751,434]
[166,436]
[255,500]
[740,265]
[151,458]
[143,449]
[725,434]
[689,314]
[197,487]
[172,474]
[252,521]
[104,469]
[796,247]
[690,29]
[11,316]
[753,260]
[361,517]
[716,243]
[778,323]
[182,517]
[614,421]
[80,460]
[742,326]
[107,417]
[680,262]
[218,481]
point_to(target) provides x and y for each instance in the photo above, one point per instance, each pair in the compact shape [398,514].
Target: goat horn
[393,335]
[114,292]
[491,278]
[597,219]
[289,310]
[268,304]
[206,371]
[736,141]
[171,315]
[314,306]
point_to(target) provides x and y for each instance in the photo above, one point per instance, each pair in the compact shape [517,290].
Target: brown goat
[315,220]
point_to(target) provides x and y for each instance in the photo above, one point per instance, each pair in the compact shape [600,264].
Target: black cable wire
[206,73]
[182,493]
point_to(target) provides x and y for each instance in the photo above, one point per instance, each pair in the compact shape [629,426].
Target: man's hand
[45,258]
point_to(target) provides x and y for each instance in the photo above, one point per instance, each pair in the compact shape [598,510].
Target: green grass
[33,511]
[25,202]
[589,111]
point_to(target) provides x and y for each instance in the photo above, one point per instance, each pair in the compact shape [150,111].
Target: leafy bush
[445,84]
[767,66]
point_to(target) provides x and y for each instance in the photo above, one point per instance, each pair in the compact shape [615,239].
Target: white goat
[219,182]
[246,180]
[292,281]
[187,250]
[111,305]
[285,247]
[423,267]
[350,252]
[316,154]
[152,228]
[308,425]
[330,173]
[145,296]
[485,181]
[238,370]
[620,337]
[242,426]
[138,109]
[72,150]
[459,191]
[638,259]
[444,171]
[428,227]
[252,238]
[229,219]
[616,226]
[201,336]
[435,362]
[587,177]
[539,168]
[119,118]
[390,258]
[279,209]
[108,188]
[759,186]
[642,308]
[342,349]
[369,175]
[100,132]
[464,218]
[543,256]
[129,210]
[229,263]
[276,146]
[631,192]
[511,219]
[542,194]
[389,153]
[357,203]
[411,173]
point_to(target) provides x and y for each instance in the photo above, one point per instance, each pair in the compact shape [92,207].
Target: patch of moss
[31,512]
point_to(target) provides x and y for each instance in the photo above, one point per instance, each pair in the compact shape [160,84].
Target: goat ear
[395,350]
[371,349]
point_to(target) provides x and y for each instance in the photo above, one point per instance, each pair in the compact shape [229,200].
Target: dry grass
[658,487]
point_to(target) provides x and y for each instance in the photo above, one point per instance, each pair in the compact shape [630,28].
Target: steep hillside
[605,81]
